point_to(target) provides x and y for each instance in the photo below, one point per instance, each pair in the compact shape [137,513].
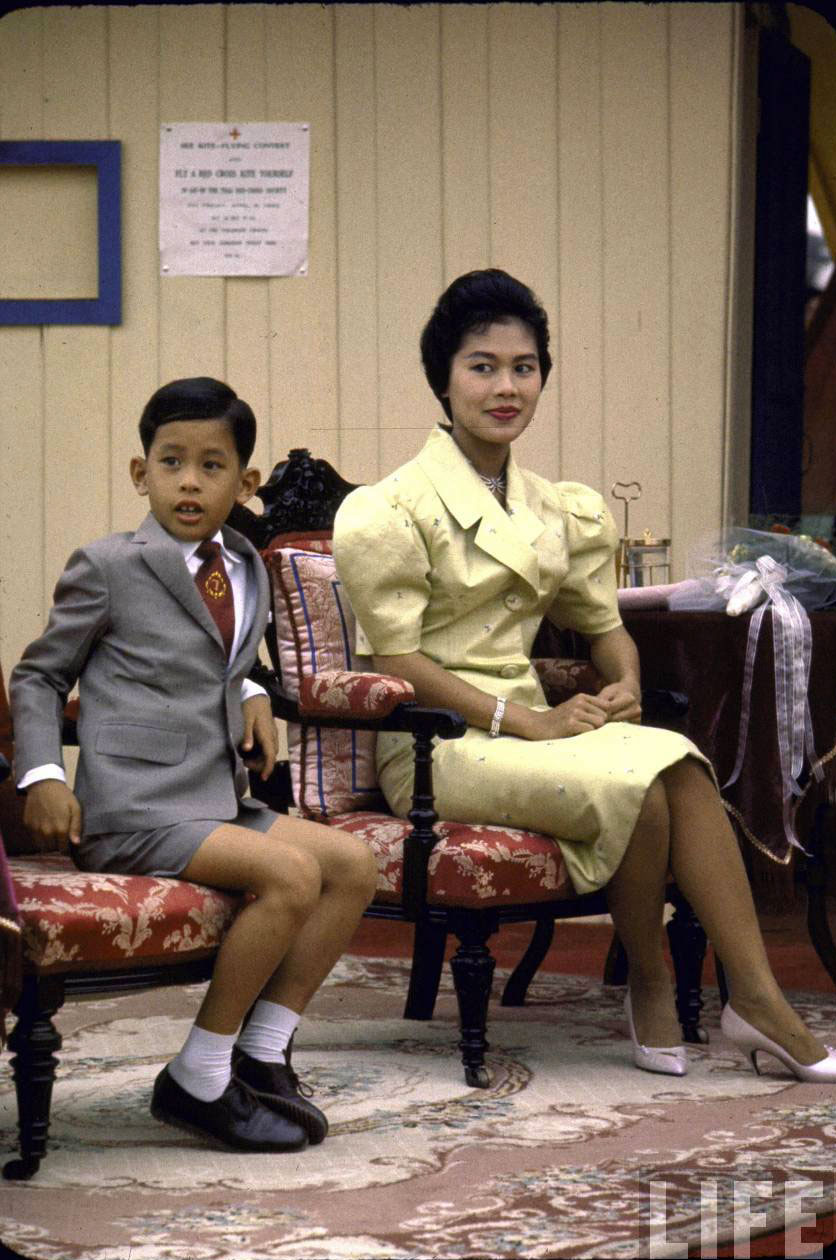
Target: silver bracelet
[496,720]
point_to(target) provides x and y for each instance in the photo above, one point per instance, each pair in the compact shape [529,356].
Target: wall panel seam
[670,266]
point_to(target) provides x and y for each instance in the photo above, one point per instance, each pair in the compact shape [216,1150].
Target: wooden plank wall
[589,149]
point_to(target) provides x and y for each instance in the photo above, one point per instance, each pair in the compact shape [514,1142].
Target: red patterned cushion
[343,693]
[563,677]
[471,866]
[315,540]
[72,919]
[331,770]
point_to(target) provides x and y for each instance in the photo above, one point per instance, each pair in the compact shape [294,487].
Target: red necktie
[214,586]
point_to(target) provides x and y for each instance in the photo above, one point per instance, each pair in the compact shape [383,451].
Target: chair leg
[517,984]
[473,966]
[688,945]
[427,961]
[615,963]
[34,1039]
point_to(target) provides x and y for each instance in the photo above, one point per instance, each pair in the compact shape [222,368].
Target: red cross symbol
[235,133]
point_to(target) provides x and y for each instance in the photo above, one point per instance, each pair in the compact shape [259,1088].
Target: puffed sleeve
[587,600]
[383,565]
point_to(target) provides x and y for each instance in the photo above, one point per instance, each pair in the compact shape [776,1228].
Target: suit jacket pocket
[142,743]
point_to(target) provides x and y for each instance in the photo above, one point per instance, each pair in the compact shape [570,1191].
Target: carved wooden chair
[88,933]
[442,876]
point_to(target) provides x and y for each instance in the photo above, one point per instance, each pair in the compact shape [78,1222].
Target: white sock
[267,1032]
[204,1066]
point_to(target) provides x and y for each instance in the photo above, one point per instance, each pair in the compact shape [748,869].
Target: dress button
[513,601]
[508,671]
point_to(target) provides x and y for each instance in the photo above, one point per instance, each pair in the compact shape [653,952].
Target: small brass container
[644,561]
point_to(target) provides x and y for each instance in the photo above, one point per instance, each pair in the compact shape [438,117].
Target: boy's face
[193,476]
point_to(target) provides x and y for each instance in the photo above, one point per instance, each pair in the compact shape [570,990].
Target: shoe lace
[305,1091]
[301,1087]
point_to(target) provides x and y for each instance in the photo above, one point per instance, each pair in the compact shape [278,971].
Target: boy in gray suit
[160,628]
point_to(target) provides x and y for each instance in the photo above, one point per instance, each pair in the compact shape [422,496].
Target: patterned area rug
[570,1153]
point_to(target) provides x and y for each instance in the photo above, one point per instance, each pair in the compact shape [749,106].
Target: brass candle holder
[644,561]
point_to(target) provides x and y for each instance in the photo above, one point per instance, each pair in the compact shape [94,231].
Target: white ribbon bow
[792,648]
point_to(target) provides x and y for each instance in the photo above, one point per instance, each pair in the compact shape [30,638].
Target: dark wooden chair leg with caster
[517,984]
[35,1042]
[688,944]
[473,967]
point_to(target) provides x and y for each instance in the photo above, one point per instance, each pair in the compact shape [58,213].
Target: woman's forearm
[616,658]
[436,686]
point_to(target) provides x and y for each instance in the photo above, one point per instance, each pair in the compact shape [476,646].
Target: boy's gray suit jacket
[160,716]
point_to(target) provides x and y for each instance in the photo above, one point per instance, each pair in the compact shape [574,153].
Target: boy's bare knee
[295,879]
[354,867]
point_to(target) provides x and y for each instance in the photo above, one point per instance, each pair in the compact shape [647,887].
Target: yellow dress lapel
[505,536]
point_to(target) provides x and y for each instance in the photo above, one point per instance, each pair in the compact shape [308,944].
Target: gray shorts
[163,851]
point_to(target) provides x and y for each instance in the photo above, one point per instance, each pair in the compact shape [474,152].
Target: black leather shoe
[236,1119]
[278,1087]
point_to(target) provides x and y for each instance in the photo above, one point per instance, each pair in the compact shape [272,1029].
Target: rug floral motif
[569,1152]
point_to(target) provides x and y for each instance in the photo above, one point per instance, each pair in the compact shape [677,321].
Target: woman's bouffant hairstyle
[474,301]
[199,398]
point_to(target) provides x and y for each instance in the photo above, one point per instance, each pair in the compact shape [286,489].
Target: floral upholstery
[346,693]
[73,920]
[562,677]
[313,540]
[471,866]
[331,770]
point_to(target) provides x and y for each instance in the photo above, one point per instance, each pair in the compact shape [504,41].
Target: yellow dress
[431,562]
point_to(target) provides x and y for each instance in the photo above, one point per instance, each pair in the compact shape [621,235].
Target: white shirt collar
[188,549]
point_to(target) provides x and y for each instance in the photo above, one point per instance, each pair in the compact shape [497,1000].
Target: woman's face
[493,389]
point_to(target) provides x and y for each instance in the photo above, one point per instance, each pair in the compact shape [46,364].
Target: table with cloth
[704,655]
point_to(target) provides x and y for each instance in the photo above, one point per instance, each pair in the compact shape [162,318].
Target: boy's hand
[52,813]
[260,745]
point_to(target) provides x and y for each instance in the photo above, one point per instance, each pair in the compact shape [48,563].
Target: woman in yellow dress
[450,563]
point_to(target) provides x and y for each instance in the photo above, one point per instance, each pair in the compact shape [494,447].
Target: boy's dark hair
[199,398]
[471,302]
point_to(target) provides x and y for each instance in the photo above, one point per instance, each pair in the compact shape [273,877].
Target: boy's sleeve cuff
[39,773]
[249,688]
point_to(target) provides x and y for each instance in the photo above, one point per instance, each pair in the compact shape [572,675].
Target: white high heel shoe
[669,1060]
[750,1041]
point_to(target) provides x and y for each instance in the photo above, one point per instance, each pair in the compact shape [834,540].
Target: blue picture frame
[106,157]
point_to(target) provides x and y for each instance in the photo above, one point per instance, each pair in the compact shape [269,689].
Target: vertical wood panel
[134,108]
[21,75]
[247,298]
[303,308]
[356,202]
[21,368]
[585,148]
[409,205]
[76,375]
[636,194]
[701,90]
[192,308]
[579,327]
[465,110]
[523,170]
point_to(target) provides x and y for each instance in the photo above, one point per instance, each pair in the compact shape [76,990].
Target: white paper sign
[234,199]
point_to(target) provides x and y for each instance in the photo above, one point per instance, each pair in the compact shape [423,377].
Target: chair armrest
[342,693]
[405,716]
